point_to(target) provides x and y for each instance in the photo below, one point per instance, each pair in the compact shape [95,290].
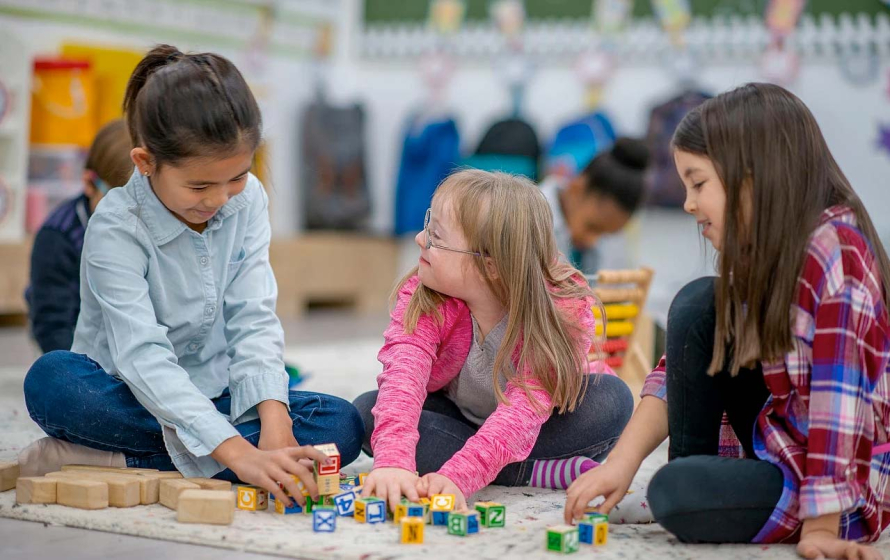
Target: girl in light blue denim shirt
[177,354]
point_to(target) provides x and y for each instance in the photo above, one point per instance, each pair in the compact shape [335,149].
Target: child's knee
[666,493]
[44,373]
[691,302]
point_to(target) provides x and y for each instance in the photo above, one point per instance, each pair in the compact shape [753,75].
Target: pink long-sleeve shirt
[425,361]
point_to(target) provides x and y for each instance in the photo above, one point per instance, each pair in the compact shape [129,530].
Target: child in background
[177,354]
[485,373]
[53,296]
[597,202]
[794,348]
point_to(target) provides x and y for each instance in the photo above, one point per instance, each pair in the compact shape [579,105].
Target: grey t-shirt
[473,390]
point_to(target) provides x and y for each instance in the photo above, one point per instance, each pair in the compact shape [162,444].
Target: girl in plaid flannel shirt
[791,341]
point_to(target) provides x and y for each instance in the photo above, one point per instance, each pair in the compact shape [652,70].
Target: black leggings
[698,496]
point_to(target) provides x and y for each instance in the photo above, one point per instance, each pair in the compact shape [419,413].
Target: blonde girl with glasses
[485,373]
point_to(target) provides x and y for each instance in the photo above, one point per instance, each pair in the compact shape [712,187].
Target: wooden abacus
[623,294]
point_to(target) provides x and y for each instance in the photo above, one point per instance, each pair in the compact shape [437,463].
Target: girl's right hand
[610,480]
[268,468]
[391,484]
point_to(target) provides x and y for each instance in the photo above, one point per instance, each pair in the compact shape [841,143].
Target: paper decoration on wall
[508,16]
[674,16]
[883,142]
[610,17]
[447,16]
[779,64]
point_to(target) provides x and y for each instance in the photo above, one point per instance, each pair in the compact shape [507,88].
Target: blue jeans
[590,431]
[72,398]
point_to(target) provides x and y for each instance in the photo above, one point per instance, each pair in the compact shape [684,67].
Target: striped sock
[559,473]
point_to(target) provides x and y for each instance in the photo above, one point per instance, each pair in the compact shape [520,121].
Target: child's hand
[276,426]
[391,484]
[822,544]
[267,468]
[610,480]
[435,483]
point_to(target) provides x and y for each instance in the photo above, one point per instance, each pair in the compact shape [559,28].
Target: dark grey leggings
[591,430]
[698,496]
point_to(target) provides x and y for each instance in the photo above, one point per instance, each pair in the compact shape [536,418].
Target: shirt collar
[839,212]
[162,223]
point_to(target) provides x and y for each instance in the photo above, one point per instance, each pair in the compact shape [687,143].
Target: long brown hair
[507,219]
[770,154]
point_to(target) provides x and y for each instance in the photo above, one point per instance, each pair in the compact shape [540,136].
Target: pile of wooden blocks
[196,500]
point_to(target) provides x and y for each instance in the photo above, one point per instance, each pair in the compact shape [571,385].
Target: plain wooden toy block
[82,494]
[252,498]
[211,483]
[562,538]
[163,475]
[35,490]
[9,472]
[324,520]
[492,514]
[215,507]
[119,470]
[123,490]
[328,484]
[171,488]
[442,502]
[412,530]
[345,503]
[332,465]
[282,509]
[463,523]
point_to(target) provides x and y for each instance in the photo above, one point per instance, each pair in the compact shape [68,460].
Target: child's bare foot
[49,454]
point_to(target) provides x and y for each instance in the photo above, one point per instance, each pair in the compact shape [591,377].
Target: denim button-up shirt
[180,316]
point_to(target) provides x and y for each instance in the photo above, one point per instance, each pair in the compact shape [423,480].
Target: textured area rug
[348,369]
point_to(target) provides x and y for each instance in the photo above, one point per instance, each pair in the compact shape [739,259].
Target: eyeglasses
[429,242]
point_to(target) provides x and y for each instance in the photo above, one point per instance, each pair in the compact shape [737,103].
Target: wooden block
[216,507]
[345,503]
[9,472]
[562,538]
[35,490]
[252,498]
[324,520]
[370,510]
[282,509]
[637,276]
[82,494]
[328,484]
[171,488]
[492,514]
[412,530]
[211,483]
[361,478]
[463,523]
[163,475]
[442,502]
[119,470]
[123,491]
[332,465]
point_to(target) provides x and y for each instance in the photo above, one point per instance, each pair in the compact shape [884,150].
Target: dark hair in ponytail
[180,106]
[619,173]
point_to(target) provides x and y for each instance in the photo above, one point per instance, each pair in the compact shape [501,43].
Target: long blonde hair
[507,219]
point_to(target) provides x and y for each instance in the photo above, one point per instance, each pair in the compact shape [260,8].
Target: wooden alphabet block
[83,494]
[345,503]
[211,483]
[35,490]
[370,510]
[600,528]
[463,523]
[440,518]
[407,509]
[412,530]
[442,502]
[9,472]
[324,520]
[123,490]
[562,538]
[332,465]
[492,514]
[252,498]
[171,488]
[216,507]
[361,478]
[282,509]
[328,484]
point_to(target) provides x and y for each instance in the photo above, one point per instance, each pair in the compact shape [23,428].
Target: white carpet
[348,369]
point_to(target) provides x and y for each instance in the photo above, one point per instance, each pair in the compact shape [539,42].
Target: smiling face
[196,189]
[705,194]
[448,272]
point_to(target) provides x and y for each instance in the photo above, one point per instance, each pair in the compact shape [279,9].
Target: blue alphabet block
[376,512]
[585,532]
[440,518]
[472,524]
[345,503]
[414,511]
[324,520]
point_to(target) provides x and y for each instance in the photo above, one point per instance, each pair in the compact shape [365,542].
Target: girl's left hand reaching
[434,483]
[823,544]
